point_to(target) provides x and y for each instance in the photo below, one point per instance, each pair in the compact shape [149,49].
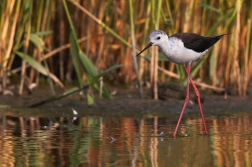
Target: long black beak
[149,45]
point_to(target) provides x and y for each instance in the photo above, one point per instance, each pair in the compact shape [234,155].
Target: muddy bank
[128,99]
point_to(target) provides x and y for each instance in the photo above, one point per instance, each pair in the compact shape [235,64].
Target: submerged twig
[58,97]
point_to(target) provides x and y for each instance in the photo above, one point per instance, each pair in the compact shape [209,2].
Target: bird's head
[157,38]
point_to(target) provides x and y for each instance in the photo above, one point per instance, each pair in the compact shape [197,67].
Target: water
[57,137]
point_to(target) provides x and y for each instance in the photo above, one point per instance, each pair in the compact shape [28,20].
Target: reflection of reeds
[106,27]
[87,141]
[229,142]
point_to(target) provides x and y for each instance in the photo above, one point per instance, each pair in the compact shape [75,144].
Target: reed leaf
[81,60]
[43,33]
[74,50]
[37,41]
[33,63]
[40,68]
[207,6]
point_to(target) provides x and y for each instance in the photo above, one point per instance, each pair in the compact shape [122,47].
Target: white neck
[166,45]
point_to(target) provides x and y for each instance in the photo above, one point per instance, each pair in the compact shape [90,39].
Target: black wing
[196,42]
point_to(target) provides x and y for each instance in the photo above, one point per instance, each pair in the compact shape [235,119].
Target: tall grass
[38,33]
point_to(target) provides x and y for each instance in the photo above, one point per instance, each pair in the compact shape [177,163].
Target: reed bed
[67,40]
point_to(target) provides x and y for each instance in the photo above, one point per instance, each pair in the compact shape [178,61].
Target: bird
[183,48]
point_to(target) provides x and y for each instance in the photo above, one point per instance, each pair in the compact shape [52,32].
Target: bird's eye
[158,38]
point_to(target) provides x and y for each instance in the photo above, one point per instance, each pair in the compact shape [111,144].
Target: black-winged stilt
[183,48]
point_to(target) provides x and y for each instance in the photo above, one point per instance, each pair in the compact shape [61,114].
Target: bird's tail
[220,36]
[215,39]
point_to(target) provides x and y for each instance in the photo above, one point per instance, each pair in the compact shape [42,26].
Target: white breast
[175,51]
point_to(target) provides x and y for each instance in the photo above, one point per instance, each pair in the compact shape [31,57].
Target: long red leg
[189,79]
[185,104]
[198,96]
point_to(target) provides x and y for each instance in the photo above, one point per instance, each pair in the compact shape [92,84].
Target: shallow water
[57,137]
